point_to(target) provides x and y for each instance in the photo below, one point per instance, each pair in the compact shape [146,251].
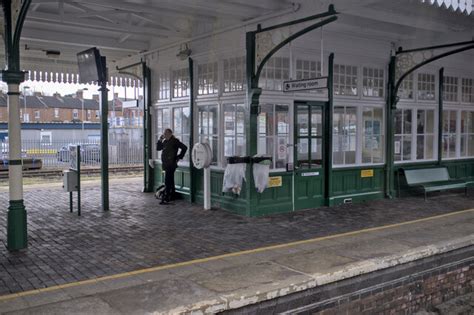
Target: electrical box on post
[70,180]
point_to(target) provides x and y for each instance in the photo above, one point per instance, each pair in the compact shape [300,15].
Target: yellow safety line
[202,260]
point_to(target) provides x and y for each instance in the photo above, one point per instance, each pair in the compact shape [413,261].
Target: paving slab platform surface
[142,257]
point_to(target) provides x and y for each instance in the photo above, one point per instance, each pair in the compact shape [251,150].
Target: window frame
[462,88]
[364,78]
[414,133]
[176,75]
[207,89]
[356,76]
[357,124]
[164,80]
[275,136]
[226,75]
[447,86]
[217,135]
[235,136]
[435,89]
[272,67]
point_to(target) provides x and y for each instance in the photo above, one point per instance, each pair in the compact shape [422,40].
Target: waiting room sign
[306,84]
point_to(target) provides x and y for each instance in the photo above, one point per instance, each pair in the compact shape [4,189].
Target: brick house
[45,109]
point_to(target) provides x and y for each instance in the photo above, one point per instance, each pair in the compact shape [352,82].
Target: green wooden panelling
[227,201]
[347,181]
[275,199]
[355,198]
[272,200]
[181,178]
[309,190]
[348,184]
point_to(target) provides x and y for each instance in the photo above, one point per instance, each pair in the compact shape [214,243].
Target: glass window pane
[397,150]
[316,152]
[430,121]
[177,126]
[463,145]
[302,121]
[464,121]
[429,147]
[282,152]
[470,145]
[445,146]
[303,152]
[407,121]
[316,121]
[420,121]
[186,121]
[406,144]
[398,121]
[420,147]
[452,122]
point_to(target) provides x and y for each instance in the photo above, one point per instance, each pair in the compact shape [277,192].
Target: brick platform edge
[404,289]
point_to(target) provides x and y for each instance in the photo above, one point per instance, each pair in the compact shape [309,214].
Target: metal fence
[56,154]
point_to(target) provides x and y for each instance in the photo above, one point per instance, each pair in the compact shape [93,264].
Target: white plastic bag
[233,176]
[260,176]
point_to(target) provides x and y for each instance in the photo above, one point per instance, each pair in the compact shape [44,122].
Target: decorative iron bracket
[407,61]
[284,41]
[13,19]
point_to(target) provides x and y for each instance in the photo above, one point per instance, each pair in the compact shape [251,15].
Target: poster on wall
[282,149]
[397,147]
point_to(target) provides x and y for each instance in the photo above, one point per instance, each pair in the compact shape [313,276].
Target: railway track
[84,171]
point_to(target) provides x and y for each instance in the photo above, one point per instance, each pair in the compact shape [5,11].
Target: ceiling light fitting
[49,52]
[184,52]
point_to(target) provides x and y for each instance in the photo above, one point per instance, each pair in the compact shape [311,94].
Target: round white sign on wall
[201,155]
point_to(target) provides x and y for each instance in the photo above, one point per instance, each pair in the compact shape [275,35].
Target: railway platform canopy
[395,91]
[216,71]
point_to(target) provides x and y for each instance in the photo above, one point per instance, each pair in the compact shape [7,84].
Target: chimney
[57,95]
[37,94]
[95,97]
[116,96]
[79,94]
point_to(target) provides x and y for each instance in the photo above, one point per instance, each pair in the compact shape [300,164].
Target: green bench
[433,179]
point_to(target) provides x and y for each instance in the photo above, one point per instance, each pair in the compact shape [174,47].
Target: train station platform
[142,257]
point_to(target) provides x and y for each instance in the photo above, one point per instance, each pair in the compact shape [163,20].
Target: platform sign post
[75,171]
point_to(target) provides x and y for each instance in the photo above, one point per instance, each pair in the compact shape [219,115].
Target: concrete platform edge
[222,302]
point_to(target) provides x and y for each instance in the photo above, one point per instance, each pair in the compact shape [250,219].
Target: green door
[308,171]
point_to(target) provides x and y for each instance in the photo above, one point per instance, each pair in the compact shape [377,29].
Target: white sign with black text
[306,84]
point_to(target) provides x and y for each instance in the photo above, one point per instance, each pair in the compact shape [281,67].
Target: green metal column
[440,116]
[104,149]
[17,236]
[147,132]
[389,144]
[329,130]
[192,171]
[253,98]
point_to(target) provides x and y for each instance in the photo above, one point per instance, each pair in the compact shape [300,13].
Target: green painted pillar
[104,144]
[192,169]
[252,109]
[440,116]
[389,142]
[329,130]
[17,236]
[147,130]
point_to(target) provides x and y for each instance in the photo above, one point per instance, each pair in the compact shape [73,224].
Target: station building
[208,98]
